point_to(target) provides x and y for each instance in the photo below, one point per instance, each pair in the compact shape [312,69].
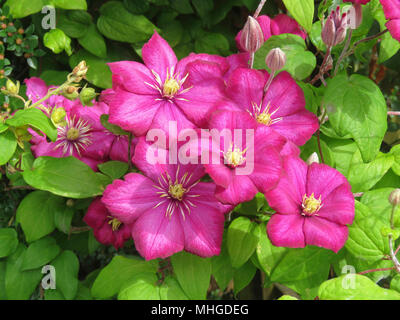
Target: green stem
[342,55]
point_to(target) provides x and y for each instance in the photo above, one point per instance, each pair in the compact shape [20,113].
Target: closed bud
[335,28]
[394,197]
[313,158]
[329,32]
[70,92]
[252,37]
[275,60]
[80,71]
[58,117]
[12,88]
[87,95]
[355,15]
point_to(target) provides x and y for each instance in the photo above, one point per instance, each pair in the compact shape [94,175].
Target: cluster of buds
[335,28]
[79,72]
[275,60]
[252,37]
[11,88]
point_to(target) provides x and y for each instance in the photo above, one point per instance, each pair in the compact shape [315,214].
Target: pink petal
[241,189]
[218,61]
[286,230]
[323,233]
[159,56]
[239,60]
[394,28]
[391,8]
[220,173]
[100,146]
[91,115]
[96,214]
[119,149]
[322,180]
[287,25]
[287,197]
[132,76]
[36,88]
[245,87]
[290,149]
[133,112]
[204,226]
[157,235]
[129,199]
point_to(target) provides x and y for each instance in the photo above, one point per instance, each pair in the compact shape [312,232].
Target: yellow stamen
[264,118]
[115,223]
[234,157]
[176,191]
[72,134]
[311,205]
[171,86]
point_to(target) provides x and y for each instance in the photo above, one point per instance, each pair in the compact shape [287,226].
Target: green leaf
[287,297]
[54,77]
[98,73]
[63,219]
[36,214]
[23,8]
[94,42]
[171,290]
[182,6]
[243,276]
[137,6]
[300,63]
[312,146]
[35,118]
[302,11]
[251,208]
[193,274]
[222,269]
[8,241]
[242,238]
[67,267]
[57,41]
[114,169]
[74,23]
[365,240]
[39,253]
[70,4]
[395,151]
[357,107]
[142,286]
[67,177]
[303,270]
[117,273]
[212,43]
[8,145]
[20,284]
[3,294]
[117,23]
[363,289]
[111,127]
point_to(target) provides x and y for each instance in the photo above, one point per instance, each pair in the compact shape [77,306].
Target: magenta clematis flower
[244,163]
[276,26]
[281,108]
[313,204]
[391,9]
[107,229]
[169,209]
[163,89]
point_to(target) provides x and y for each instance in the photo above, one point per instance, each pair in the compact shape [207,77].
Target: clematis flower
[391,9]
[107,229]
[282,107]
[149,95]
[168,208]
[313,205]
[276,26]
[82,135]
[239,165]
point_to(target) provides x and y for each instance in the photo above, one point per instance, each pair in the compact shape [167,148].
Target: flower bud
[70,92]
[58,117]
[87,95]
[80,71]
[335,28]
[355,15]
[394,197]
[275,60]
[313,158]
[252,37]
[12,88]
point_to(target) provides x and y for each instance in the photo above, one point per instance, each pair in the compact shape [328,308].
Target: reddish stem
[376,270]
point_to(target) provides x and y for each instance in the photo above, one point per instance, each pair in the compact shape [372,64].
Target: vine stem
[365,40]
[393,113]
[342,55]
[322,68]
[376,270]
[319,146]
[259,8]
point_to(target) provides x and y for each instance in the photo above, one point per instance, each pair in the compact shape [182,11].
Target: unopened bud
[252,37]
[313,158]
[335,28]
[355,15]
[87,95]
[12,88]
[275,60]
[58,117]
[394,197]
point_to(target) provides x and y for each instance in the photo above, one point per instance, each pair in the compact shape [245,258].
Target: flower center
[72,134]
[176,191]
[115,223]
[171,87]
[311,205]
[234,157]
[264,118]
